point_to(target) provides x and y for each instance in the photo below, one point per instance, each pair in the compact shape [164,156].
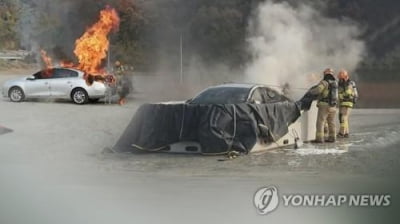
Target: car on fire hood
[224,118]
[59,83]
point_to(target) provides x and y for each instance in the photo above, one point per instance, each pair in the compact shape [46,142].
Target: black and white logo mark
[266,199]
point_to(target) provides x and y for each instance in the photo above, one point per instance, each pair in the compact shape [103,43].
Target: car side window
[257,96]
[271,96]
[58,74]
[45,74]
[64,73]
[38,75]
[71,74]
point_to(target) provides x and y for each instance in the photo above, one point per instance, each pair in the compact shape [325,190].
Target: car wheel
[79,96]
[16,94]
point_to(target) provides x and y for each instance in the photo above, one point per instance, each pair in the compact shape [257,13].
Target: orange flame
[91,48]
[49,65]
[67,64]
[46,59]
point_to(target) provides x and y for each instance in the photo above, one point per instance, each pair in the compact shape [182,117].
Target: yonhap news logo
[267,199]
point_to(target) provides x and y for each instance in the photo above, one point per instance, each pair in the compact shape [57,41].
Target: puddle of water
[316,151]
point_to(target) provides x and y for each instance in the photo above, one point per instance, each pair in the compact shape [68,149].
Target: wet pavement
[53,170]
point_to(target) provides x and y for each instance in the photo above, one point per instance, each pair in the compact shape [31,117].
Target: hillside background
[212,31]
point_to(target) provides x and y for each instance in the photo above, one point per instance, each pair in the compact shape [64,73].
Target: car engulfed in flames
[82,81]
[91,48]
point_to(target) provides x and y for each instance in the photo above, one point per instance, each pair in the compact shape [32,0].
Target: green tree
[128,44]
[219,33]
[9,12]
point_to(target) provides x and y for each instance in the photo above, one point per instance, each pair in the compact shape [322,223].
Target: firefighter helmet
[343,75]
[328,71]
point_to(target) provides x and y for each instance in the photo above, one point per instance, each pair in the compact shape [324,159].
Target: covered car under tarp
[218,128]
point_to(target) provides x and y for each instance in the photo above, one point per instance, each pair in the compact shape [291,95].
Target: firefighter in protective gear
[327,101]
[347,98]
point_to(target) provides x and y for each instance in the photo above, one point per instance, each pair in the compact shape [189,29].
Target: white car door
[39,86]
[62,82]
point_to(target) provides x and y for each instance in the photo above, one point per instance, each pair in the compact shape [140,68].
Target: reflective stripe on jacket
[322,89]
[346,94]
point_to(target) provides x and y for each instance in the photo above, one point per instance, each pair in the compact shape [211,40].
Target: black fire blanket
[306,101]
[217,128]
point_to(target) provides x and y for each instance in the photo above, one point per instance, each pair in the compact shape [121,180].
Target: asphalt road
[53,170]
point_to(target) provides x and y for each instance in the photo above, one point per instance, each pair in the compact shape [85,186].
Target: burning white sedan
[58,83]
